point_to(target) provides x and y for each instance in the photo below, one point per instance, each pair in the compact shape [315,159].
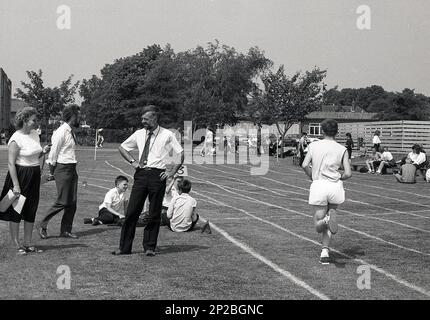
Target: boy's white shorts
[323,192]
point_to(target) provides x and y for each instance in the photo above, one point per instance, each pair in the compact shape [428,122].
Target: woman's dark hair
[70,111]
[23,116]
[329,127]
[417,148]
[348,135]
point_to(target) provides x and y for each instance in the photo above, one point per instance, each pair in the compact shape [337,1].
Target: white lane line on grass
[365,203]
[119,169]
[271,264]
[339,210]
[350,182]
[343,210]
[307,215]
[256,255]
[360,261]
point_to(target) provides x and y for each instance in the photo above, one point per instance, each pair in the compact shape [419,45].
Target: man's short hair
[153,109]
[329,127]
[120,179]
[184,185]
[70,111]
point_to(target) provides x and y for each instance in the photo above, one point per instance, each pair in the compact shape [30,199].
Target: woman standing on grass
[23,177]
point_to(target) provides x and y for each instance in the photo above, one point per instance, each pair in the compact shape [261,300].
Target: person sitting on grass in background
[321,164]
[387,160]
[374,160]
[114,202]
[417,156]
[407,174]
[182,213]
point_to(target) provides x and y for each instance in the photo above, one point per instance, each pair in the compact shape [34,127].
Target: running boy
[321,164]
[114,202]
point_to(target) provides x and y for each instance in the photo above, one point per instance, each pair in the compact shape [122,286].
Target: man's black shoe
[69,235]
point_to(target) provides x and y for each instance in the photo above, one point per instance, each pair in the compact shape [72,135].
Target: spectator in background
[374,160]
[407,173]
[303,146]
[100,138]
[2,137]
[417,157]
[428,175]
[376,141]
[349,145]
[387,160]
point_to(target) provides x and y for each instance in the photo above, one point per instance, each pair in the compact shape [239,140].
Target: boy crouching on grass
[182,213]
[114,202]
[321,164]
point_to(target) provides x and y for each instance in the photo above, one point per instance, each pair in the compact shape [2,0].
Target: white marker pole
[95,146]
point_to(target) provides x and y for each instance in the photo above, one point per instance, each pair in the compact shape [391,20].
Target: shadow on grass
[91,232]
[180,248]
[339,260]
[62,247]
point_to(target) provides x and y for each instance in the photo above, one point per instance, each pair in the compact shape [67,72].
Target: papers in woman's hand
[10,199]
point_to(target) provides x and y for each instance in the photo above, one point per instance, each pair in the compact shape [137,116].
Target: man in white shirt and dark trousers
[63,159]
[154,144]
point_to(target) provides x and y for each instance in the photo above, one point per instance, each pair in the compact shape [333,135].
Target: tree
[287,100]
[46,100]
[115,99]
[218,81]
[405,105]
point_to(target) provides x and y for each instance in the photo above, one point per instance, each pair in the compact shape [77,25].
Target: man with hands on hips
[154,144]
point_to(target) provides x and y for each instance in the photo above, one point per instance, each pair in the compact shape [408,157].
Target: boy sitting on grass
[182,213]
[114,202]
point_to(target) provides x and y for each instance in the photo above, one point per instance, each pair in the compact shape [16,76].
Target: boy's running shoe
[325,260]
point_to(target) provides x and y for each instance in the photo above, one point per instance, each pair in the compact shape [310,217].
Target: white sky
[300,34]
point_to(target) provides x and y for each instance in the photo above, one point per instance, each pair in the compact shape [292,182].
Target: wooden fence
[398,136]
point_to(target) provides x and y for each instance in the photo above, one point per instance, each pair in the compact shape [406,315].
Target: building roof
[17,104]
[350,115]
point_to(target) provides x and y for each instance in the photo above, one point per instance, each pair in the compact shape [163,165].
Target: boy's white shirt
[115,199]
[181,212]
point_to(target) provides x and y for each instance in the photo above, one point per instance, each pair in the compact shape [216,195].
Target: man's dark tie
[74,137]
[145,153]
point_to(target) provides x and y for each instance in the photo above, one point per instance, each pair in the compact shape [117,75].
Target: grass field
[263,243]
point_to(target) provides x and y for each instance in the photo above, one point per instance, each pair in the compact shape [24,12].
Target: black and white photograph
[215,158]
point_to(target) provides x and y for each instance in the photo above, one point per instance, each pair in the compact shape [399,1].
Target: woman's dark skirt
[29,181]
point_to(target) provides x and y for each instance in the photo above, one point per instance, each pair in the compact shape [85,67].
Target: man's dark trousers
[66,180]
[147,183]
